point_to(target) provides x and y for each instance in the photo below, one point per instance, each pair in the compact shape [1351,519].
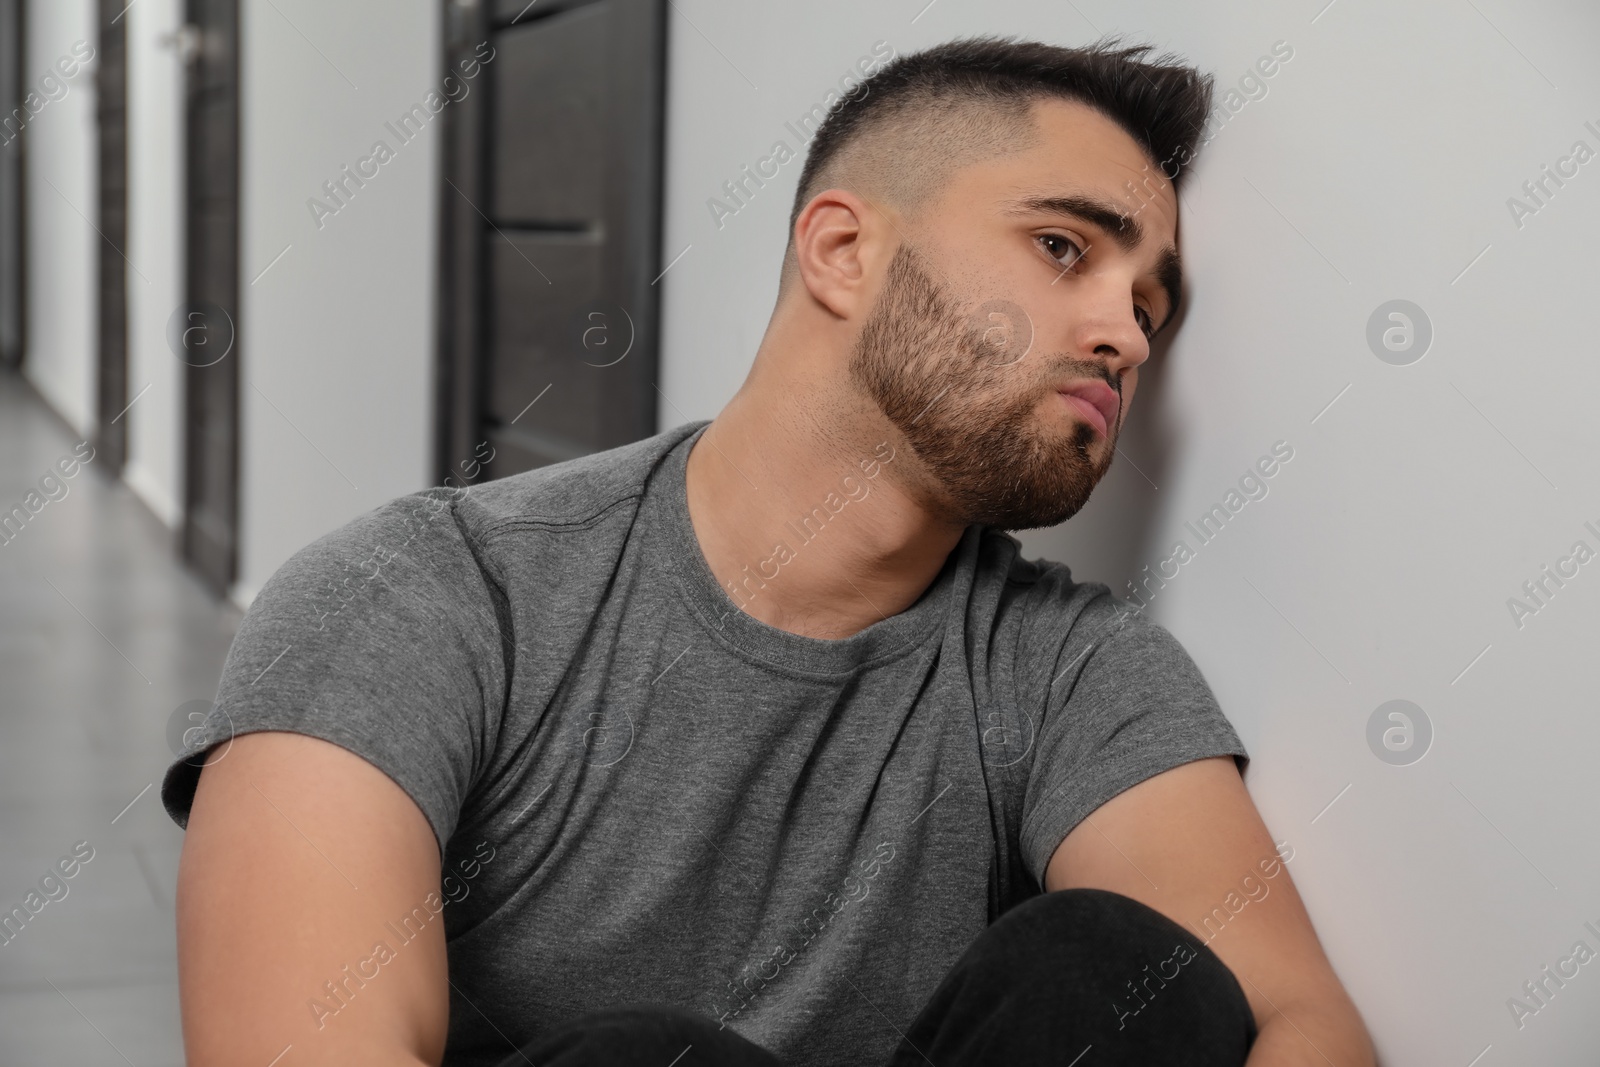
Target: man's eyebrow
[1123,228]
[1169,273]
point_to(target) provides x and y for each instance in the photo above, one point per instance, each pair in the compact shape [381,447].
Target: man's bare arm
[1182,842]
[298,858]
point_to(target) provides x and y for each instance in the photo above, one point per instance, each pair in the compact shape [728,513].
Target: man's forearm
[1312,1035]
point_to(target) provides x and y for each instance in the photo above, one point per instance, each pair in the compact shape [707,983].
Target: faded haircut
[902,133]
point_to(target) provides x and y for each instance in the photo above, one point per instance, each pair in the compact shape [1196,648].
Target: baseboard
[148,488]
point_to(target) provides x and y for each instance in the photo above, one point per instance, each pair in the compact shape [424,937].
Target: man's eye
[1062,246]
[1145,322]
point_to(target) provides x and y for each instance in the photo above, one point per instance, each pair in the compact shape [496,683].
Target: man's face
[1035,273]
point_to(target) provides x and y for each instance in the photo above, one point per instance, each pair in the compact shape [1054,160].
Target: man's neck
[808,529]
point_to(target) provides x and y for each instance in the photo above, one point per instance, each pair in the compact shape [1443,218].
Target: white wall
[1378,166]
[155,247]
[61,191]
[336,337]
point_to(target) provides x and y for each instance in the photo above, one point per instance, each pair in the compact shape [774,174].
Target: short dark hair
[1160,102]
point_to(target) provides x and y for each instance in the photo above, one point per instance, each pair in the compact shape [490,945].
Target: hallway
[103,635]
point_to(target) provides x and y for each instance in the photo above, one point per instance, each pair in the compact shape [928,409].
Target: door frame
[461,301]
[14,174]
[111,281]
[209,537]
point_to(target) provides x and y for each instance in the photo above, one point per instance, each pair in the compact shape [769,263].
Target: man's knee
[1084,967]
[1106,947]
[643,1033]
[1086,923]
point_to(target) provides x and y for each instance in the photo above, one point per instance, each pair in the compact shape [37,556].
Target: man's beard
[969,410]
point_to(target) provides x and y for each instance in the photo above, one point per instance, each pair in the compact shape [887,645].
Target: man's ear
[840,243]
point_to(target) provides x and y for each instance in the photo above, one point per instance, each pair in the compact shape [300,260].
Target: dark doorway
[550,239]
[13,235]
[111,114]
[205,334]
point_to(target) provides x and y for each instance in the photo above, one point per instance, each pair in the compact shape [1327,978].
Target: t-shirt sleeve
[382,637]
[1123,702]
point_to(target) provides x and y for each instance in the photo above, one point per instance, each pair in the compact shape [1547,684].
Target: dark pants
[1060,975]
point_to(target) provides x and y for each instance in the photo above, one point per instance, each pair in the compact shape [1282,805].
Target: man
[758,741]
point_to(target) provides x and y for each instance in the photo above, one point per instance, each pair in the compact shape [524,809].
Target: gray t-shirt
[642,793]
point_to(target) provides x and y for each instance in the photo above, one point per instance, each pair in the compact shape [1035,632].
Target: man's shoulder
[445,535]
[1052,613]
[1031,587]
[573,492]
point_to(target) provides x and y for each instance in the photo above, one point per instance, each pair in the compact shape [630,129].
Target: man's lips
[1096,401]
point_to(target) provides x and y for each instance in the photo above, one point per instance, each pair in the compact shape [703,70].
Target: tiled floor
[103,635]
